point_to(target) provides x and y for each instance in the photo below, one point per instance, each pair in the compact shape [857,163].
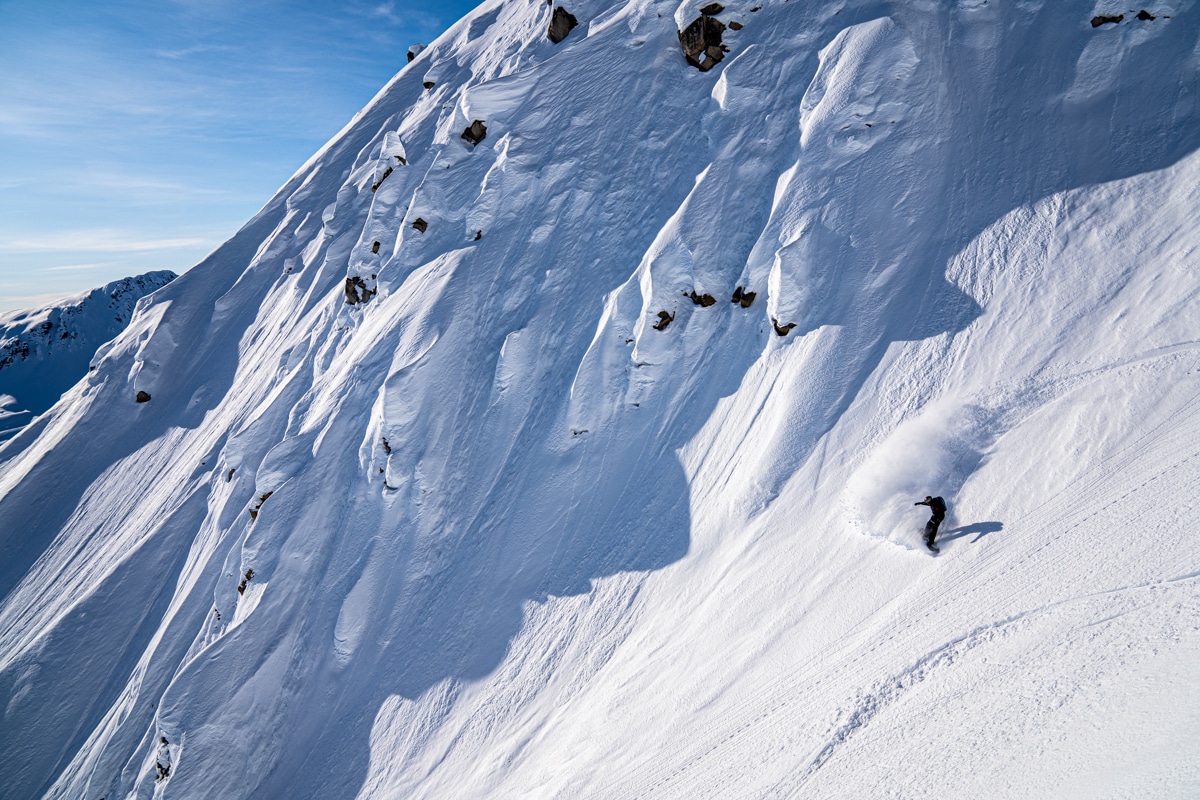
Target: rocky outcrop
[249,575]
[744,298]
[561,23]
[1102,19]
[701,41]
[357,291]
[475,132]
[375,186]
[420,224]
[258,505]
[782,330]
[415,50]
[142,396]
[702,300]
[664,319]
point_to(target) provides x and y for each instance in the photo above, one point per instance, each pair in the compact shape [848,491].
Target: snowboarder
[162,763]
[938,506]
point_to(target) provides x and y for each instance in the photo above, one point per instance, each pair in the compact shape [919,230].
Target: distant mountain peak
[43,351]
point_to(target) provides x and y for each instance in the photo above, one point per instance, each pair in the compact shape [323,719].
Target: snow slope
[43,351]
[487,532]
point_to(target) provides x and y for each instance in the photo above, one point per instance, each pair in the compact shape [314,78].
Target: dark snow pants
[931,529]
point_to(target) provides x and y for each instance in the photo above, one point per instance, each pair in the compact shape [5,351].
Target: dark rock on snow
[143,397]
[701,41]
[249,573]
[1101,19]
[357,291]
[420,224]
[382,178]
[475,132]
[561,23]
[782,330]
[664,319]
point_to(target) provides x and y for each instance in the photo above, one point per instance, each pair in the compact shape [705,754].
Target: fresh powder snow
[556,430]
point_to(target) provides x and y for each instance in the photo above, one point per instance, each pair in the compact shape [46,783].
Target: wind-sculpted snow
[453,483]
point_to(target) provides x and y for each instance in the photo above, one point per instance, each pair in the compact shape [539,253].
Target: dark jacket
[936,504]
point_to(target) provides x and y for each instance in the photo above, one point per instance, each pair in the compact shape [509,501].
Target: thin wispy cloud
[77,267]
[10,302]
[193,50]
[99,241]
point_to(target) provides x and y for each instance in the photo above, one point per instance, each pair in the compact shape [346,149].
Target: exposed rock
[1145,16]
[782,330]
[735,25]
[712,9]
[475,132]
[229,475]
[258,505]
[702,300]
[382,178]
[1101,19]
[375,247]
[701,41]
[245,578]
[420,224]
[478,235]
[561,23]
[428,85]
[387,448]
[664,319]
[415,50]
[142,396]
[743,297]
[357,291]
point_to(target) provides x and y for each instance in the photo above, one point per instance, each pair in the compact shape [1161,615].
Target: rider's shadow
[980,529]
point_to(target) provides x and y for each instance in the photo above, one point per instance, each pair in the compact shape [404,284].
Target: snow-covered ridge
[44,351]
[555,431]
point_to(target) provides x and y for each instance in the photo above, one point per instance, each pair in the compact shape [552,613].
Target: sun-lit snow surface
[519,543]
[44,351]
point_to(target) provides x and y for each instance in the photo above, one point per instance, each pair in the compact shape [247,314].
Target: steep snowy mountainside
[554,431]
[43,351]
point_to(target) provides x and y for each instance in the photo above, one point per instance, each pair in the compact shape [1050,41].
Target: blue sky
[140,134]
